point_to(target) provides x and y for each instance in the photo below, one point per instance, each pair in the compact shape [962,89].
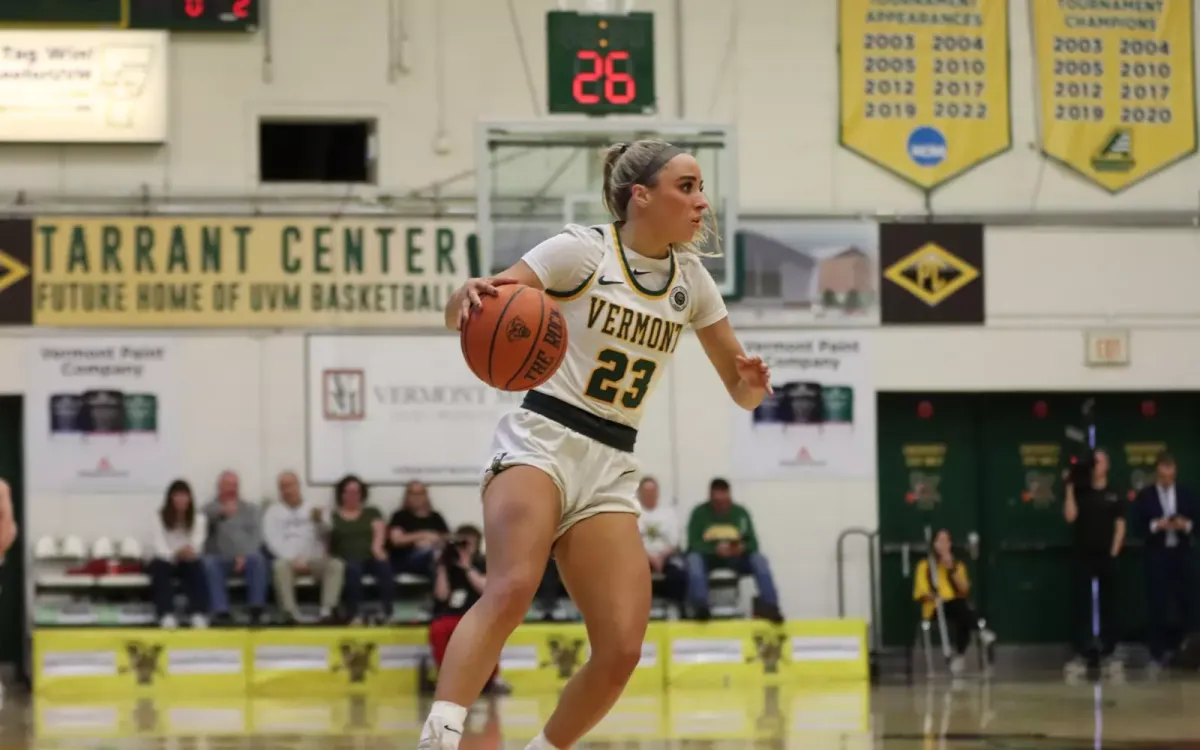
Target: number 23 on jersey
[618,380]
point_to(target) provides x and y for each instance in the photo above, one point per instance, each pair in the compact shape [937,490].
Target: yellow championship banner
[118,663]
[748,653]
[542,657]
[325,661]
[1117,86]
[231,272]
[924,86]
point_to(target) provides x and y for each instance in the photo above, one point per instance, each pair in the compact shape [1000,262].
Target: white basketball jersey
[625,315]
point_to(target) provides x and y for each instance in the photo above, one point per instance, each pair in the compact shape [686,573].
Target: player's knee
[511,593]
[618,655]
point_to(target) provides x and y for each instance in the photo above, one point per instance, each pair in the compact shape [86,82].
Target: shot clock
[600,64]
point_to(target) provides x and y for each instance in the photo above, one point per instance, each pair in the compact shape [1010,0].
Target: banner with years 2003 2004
[394,408]
[1117,87]
[820,421]
[102,414]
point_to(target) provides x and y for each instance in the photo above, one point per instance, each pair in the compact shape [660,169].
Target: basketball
[516,340]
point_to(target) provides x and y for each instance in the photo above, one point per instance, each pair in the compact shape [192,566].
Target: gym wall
[770,67]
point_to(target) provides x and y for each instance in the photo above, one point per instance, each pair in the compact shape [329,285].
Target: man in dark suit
[1166,512]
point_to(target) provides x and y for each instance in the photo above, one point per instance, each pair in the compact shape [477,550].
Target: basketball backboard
[536,176]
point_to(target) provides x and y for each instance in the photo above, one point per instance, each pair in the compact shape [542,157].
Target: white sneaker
[168,622]
[987,637]
[199,621]
[437,736]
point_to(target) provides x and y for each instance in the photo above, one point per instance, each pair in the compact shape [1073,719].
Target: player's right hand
[470,299]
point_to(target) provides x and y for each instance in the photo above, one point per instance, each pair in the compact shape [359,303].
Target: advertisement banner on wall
[83,86]
[925,95]
[932,273]
[807,273]
[1117,90]
[231,272]
[820,421]
[103,415]
[395,408]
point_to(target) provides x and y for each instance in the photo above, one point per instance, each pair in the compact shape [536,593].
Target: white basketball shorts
[592,477]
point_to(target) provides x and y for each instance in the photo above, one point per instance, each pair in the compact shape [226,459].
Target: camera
[452,552]
[1081,469]
[1080,448]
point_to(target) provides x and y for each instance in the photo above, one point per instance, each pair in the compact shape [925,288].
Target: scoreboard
[600,64]
[169,15]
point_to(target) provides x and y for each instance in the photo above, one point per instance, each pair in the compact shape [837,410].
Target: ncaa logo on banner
[927,146]
[344,395]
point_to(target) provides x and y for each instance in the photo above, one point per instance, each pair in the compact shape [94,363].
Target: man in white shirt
[292,530]
[1167,512]
[660,536]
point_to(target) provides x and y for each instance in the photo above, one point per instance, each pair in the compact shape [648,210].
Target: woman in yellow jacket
[952,586]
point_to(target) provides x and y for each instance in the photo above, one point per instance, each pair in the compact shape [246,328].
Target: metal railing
[872,537]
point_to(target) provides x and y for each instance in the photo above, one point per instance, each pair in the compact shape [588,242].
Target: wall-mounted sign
[1107,347]
[83,86]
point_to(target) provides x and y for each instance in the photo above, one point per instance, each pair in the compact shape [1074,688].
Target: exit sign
[1105,348]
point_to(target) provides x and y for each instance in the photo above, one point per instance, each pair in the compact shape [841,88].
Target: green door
[1134,428]
[928,478]
[12,573]
[1026,540]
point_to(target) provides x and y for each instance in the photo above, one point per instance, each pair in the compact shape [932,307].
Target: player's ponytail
[638,163]
[616,196]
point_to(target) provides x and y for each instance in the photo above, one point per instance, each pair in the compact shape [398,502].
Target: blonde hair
[624,167]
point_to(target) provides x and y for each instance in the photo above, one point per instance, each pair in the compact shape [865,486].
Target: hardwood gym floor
[939,716]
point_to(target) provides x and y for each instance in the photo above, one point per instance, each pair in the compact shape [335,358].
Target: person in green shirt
[356,536]
[721,535]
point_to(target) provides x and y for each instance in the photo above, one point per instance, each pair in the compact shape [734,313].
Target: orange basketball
[516,340]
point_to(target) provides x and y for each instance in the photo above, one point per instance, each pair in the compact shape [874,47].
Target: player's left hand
[755,373]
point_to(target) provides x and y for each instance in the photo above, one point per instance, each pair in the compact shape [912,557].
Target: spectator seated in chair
[178,540]
[356,537]
[721,535]
[459,577]
[294,536]
[416,533]
[234,546]
[660,536]
[949,583]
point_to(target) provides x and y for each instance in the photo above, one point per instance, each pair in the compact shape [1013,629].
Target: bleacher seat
[729,594]
[73,549]
[46,549]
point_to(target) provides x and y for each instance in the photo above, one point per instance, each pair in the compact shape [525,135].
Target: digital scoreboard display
[194,15]
[169,15]
[600,64]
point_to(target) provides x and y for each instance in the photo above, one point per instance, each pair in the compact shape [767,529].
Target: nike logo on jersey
[607,282]
[640,273]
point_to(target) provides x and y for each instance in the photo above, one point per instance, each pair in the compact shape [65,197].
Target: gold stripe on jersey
[631,326]
[632,279]
[575,293]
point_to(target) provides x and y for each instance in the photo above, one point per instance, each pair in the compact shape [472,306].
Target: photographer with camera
[1098,516]
[459,577]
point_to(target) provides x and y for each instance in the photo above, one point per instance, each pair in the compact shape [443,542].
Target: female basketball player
[563,475]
